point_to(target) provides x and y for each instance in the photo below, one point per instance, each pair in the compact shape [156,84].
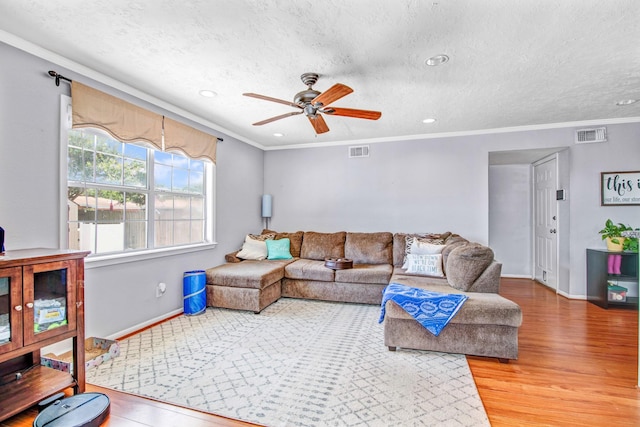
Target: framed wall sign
[620,188]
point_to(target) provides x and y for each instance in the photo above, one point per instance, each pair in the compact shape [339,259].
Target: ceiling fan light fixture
[310,110]
[436,60]
[208,93]
[429,120]
[626,102]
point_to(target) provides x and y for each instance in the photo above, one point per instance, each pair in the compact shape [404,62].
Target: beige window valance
[130,123]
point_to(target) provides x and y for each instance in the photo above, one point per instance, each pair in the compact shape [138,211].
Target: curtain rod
[59,77]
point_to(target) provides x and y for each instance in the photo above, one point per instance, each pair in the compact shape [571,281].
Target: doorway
[545,222]
[512,210]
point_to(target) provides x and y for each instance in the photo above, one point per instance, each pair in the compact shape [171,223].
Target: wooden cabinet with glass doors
[41,303]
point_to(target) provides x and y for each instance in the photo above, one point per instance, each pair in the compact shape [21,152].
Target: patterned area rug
[298,363]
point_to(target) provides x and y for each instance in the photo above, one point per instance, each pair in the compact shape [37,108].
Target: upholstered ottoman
[249,285]
[486,325]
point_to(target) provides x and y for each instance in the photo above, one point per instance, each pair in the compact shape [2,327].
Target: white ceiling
[513,63]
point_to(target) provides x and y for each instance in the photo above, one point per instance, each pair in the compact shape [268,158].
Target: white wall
[620,153]
[402,186]
[510,202]
[443,184]
[118,297]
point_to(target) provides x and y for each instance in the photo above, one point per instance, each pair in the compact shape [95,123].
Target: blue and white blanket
[433,310]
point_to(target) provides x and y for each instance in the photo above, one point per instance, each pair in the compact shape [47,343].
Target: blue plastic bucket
[193,289]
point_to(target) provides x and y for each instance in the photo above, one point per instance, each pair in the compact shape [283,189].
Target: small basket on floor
[195,297]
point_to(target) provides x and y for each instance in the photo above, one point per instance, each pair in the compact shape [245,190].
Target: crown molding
[581,123]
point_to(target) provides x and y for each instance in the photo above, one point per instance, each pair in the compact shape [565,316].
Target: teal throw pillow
[278,249]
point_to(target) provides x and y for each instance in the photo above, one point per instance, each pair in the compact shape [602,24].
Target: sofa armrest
[489,280]
[471,268]
[232,257]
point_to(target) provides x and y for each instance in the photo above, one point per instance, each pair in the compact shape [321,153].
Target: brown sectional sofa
[486,325]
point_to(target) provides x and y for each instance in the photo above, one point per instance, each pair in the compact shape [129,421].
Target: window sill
[97,261]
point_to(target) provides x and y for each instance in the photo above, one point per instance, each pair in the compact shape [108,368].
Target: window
[126,197]
[178,199]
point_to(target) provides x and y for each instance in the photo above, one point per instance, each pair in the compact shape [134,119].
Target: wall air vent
[586,136]
[359,151]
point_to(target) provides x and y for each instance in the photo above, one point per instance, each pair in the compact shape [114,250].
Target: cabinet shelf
[630,302]
[37,383]
[622,277]
[598,277]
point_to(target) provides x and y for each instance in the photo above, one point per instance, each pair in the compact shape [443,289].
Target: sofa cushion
[253,249]
[466,263]
[319,246]
[422,247]
[450,244]
[308,269]
[400,244]
[366,273]
[232,257]
[413,243]
[278,249]
[295,240]
[425,264]
[400,275]
[426,247]
[247,274]
[263,236]
[369,248]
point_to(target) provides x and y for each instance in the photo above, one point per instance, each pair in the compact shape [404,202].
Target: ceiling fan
[312,103]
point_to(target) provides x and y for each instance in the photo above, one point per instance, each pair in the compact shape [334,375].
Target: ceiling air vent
[585,136]
[359,151]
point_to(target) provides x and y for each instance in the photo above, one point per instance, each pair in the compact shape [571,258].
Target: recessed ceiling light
[208,93]
[437,60]
[278,134]
[627,102]
[428,121]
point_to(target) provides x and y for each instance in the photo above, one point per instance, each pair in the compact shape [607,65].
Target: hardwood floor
[577,366]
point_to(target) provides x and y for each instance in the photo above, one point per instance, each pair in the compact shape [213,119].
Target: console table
[598,277]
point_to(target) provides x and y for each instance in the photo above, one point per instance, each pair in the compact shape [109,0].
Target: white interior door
[546,220]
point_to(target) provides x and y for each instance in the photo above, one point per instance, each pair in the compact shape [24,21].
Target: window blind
[129,123]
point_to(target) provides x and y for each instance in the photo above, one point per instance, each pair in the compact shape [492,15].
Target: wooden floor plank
[577,366]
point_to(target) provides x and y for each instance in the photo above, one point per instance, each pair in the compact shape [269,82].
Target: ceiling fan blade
[319,124]
[273,119]
[351,112]
[332,94]
[268,98]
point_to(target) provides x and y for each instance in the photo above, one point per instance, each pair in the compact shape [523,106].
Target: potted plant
[631,240]
[612,233]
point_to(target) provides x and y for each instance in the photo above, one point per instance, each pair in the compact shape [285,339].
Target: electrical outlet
[161,289]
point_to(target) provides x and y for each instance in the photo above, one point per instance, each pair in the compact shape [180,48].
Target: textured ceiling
[513,62]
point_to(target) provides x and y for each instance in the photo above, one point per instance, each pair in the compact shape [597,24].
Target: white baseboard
[516,276]
[570,296]
[559,292]
[143,325]
[65,346]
